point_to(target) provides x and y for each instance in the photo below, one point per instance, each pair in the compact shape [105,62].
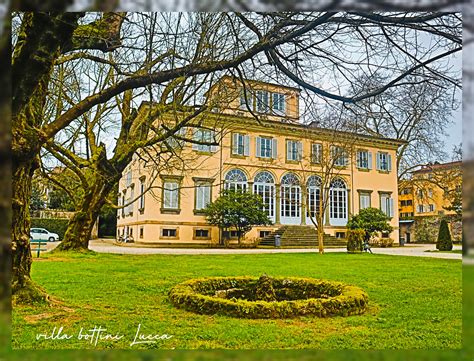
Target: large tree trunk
[79,229]
[23,289]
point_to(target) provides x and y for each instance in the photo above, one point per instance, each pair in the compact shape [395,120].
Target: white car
[43,234]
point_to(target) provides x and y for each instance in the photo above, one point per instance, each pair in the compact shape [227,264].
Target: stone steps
[300,236]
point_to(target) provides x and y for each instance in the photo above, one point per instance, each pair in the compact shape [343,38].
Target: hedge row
[55,225]
[304,297]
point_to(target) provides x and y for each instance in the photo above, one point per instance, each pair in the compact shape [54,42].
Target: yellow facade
[169,211]
[432,185]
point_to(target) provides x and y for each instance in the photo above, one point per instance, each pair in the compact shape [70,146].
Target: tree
[332,158]
[238,210]
[37,198]
[286,41]
[371,220]
[444,242]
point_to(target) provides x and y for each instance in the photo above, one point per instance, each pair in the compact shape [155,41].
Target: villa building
[431,193]
[275,156]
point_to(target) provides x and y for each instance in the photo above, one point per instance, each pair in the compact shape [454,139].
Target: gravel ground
[418,250]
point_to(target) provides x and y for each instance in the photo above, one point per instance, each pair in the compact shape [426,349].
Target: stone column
[277,204]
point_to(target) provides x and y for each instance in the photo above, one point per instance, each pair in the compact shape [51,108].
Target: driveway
[417,250]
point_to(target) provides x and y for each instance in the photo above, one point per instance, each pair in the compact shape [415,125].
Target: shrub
[386,242]
[237,297]
[355,240]
[55,225]
[444,237]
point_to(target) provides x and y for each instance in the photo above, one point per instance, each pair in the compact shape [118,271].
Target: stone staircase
[300,236]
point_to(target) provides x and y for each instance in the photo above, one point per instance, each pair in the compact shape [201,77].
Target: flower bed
[265,297]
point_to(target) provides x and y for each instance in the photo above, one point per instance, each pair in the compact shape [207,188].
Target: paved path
[417,250]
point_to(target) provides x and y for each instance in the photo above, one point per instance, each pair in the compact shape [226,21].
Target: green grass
[415,302]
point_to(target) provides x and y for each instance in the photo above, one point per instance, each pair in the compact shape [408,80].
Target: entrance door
[407,237]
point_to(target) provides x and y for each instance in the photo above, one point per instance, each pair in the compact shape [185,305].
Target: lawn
[415,302]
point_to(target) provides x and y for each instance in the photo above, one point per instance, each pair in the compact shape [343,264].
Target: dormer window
[245,99]
[262,101]
[279,103]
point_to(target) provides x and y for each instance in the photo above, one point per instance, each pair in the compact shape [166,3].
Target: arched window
[264,185]
[338,202]
[313,187]
[236,179]
[290,199]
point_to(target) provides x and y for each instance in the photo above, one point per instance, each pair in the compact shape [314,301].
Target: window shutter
[288,150]
[300,150]
[369,161]
[345,157]
[389,162]
[246,145]
[235,143]
[274,148]
[391,207]
[258,147]
[378,161]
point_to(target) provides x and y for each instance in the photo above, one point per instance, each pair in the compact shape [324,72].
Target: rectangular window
[409,202]
[384,161]
[141,202]
[168,232]
[432,207]
[266,147]
[263,234]
[128,179]
[240,144]
[403,203]
[204,136]
[316,153]
[279,103]
[364,199]
[245,99]
[203,195]
[170,195]
[262,101]
[364,159]
[420,208]
[339,156]
[129,207]
[141,232]
[175,140]
[340,235]
[123,204]
[386,204]
[294,150]
[201,233]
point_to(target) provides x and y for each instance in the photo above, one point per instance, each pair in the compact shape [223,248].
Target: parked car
[43,234]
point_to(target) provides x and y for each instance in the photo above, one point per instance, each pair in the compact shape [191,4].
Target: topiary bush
[444,237]
[355,240]
[283,297]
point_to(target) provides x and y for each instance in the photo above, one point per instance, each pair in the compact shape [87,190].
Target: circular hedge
[265,297]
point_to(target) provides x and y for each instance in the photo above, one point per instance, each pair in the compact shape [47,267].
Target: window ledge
[238,156]
[383,171]
[289,161]
[170,211]
[199,212]
[363,169]
[202,152]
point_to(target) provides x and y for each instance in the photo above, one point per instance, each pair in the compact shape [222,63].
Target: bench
[38,243]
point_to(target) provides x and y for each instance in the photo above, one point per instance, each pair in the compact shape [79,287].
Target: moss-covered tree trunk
[79,230]
[23,289]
